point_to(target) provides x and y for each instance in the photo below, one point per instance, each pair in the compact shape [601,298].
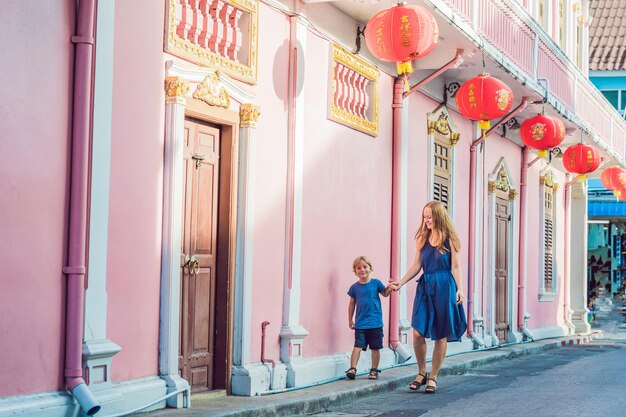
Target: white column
[292,333]
[175,91]
[245,233]
[97,349]
[578,259]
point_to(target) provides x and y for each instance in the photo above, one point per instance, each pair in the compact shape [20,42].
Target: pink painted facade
[309,193]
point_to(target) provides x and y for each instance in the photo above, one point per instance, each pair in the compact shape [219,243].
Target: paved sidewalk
[316,399]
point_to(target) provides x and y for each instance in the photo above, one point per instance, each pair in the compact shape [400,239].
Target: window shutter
[548,239]
[441,177]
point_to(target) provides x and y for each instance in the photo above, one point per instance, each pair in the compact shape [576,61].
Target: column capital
[176,89]
[249,114]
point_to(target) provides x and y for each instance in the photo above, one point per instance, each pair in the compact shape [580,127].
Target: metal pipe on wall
[77,235]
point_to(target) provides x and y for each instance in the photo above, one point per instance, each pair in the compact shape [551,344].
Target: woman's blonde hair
[442,223]
[360,259]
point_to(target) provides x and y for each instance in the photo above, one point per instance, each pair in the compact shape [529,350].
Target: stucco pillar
[175,92]
[249,114]
[97,349]
[578,260]
[292,333]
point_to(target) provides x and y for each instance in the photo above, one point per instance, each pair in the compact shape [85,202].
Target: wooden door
[199,249]
[502,260]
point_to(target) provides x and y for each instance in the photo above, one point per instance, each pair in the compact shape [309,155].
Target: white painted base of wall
[515,337]
[258,378]
[254,379]
[579,319]
[119,398]
[548,332]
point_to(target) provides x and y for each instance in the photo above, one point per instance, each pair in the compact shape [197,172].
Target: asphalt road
[582,380]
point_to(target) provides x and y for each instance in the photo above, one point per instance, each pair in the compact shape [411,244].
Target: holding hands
[394,286]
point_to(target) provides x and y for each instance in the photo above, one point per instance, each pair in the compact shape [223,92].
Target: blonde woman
[437,310]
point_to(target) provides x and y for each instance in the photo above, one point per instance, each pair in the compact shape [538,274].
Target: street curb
[312,402]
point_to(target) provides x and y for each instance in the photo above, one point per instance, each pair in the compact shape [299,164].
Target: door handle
[194,266]
[198,158]
[185,266]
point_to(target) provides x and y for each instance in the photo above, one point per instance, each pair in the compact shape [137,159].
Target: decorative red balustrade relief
[210,24]
[350,91]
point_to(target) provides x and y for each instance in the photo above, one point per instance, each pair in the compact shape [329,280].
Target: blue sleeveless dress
[436,314]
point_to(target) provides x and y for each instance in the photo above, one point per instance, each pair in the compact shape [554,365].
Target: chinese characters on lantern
[380,43]
[405,26]
[472,96]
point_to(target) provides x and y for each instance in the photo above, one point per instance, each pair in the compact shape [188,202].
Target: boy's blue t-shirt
[369,312]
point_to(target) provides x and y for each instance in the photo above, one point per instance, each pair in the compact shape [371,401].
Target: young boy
[368,329]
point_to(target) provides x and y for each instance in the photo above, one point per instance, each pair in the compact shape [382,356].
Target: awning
[606,209]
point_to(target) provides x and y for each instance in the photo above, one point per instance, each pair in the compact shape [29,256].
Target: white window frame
[546,181]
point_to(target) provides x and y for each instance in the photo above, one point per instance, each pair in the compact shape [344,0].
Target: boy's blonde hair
[360,259]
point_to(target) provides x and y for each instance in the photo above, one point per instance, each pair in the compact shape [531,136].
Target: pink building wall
[35,116]
[271,182]
[136,189]
[346,208]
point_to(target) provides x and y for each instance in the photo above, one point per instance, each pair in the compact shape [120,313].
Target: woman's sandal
[374,373]
[351,373]
[416,384]
[431,389]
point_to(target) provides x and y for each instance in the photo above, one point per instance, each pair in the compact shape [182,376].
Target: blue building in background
[606,264]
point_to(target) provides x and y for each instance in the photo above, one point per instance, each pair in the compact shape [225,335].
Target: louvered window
[548,238]
[441,179]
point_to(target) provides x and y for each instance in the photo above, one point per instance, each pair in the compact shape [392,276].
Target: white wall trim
[292,333]
[122,397]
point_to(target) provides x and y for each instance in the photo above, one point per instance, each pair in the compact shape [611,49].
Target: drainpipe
[77,235]
[398,96]
[523,196]
[472,212]
[263,358]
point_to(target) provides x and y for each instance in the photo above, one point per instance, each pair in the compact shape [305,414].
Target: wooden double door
[501,272]
[199,272]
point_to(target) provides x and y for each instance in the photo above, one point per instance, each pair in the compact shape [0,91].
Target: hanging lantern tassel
[404,69]
[582,177]
[542,153]
[484,125]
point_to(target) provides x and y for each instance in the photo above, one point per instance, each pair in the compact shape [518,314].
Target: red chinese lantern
[401,34]
[484,98]
[614,178]
[581,159]
[542,132]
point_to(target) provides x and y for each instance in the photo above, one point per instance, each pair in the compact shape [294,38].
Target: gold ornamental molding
[176,90]
[513,194]
[366,122]
[244,69]
[439,122]
[454,138]
[547,180]
[502,182]
[249,114]
[212,91]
